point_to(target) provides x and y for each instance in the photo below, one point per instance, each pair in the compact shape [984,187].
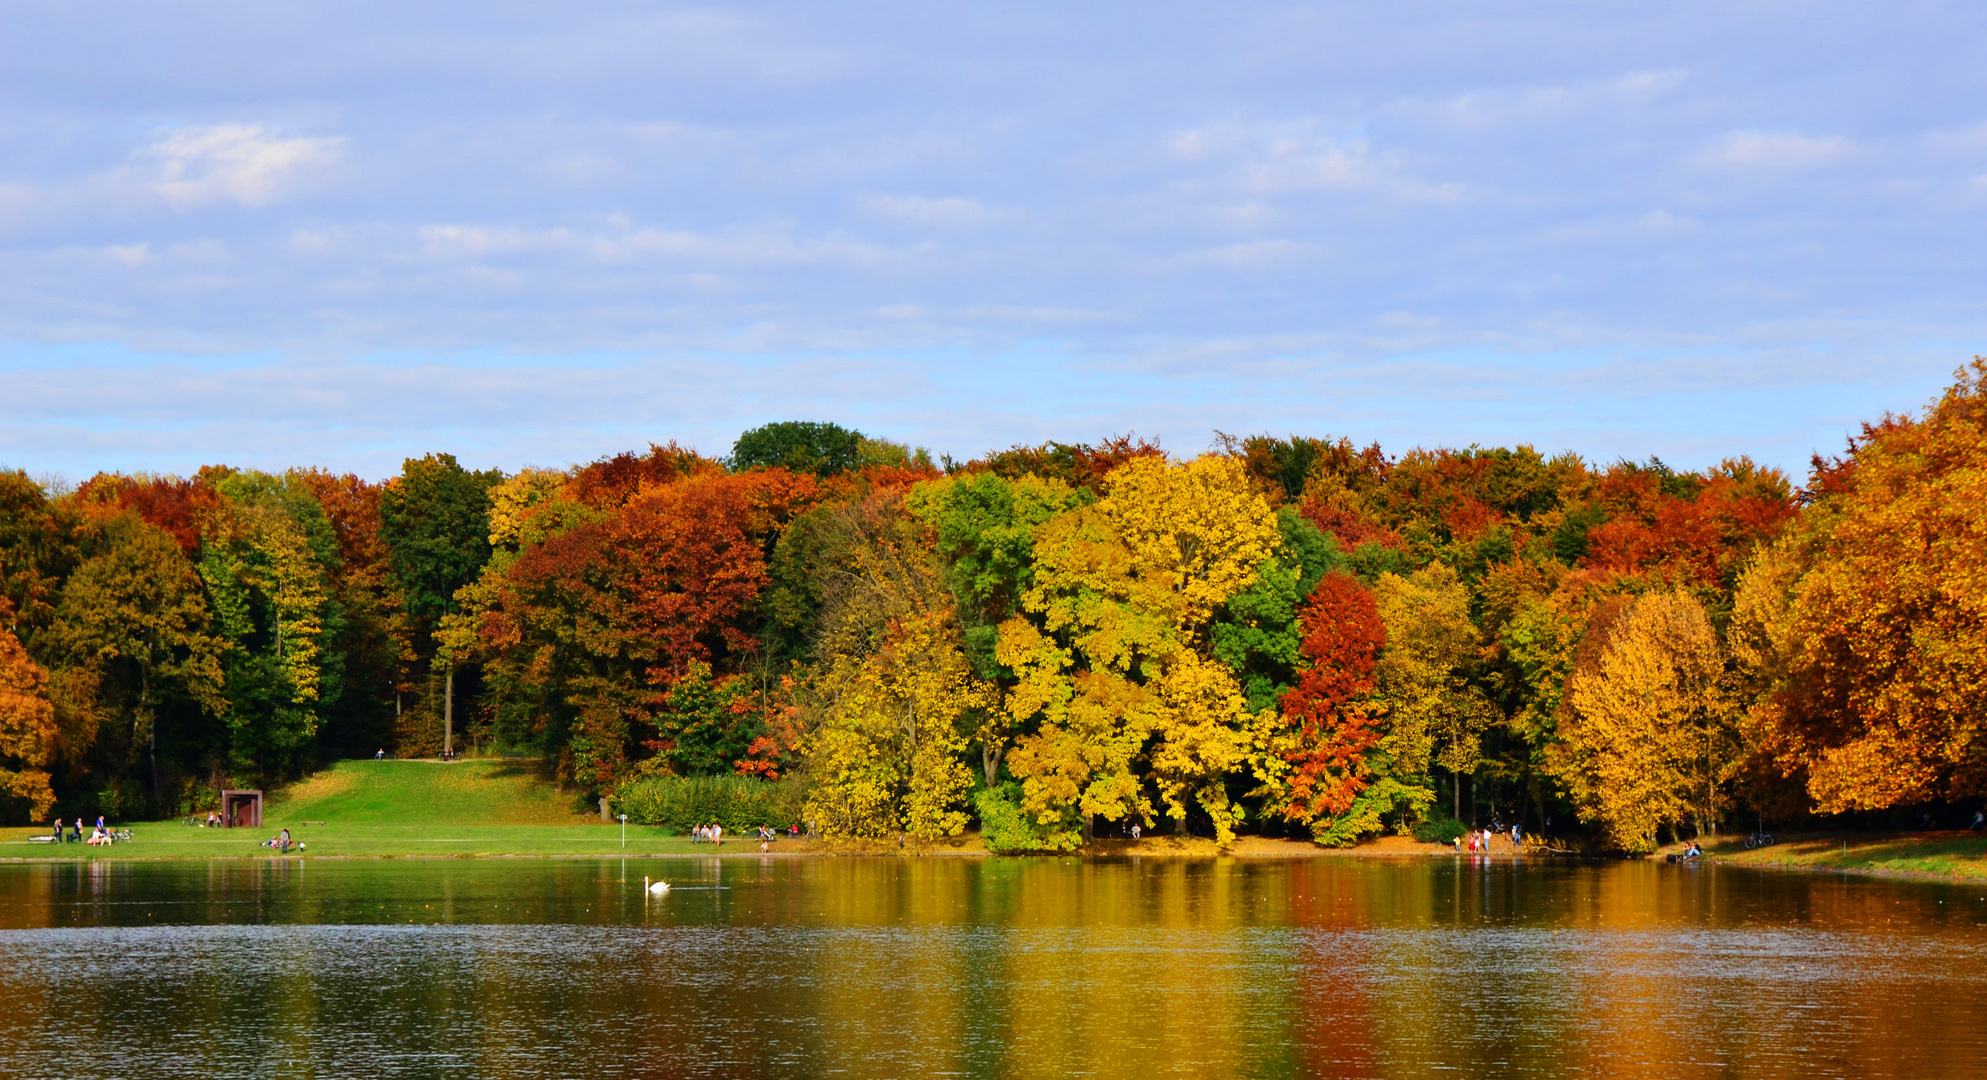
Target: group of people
[100,836]
[714,834]
[281,843]
[1477,841]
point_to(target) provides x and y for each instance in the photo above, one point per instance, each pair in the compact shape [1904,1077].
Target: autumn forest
[1287,636]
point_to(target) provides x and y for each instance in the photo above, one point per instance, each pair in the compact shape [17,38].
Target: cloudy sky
[274,233]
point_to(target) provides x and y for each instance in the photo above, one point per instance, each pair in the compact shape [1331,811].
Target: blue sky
[279,233]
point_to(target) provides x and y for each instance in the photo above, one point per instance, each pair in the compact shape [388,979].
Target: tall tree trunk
[1473,800]
[448,713]
[151,730]
[1456,794]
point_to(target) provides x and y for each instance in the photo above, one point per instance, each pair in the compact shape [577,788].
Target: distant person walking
[380,754]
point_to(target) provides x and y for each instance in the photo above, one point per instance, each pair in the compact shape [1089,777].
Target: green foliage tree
[705,725]
[801,446]
[1256,633]
[267,559]
[435,520]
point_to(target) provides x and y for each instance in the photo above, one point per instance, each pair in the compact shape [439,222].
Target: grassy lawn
[386,808]
[1946,854]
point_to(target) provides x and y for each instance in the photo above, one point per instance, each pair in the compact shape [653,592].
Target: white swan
[657,888]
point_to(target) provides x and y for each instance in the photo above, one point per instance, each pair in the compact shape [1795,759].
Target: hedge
[738,803]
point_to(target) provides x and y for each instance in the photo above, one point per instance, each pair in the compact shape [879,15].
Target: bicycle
[1760,838]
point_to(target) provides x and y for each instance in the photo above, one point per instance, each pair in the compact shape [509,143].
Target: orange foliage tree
[1870,623]
[27,727]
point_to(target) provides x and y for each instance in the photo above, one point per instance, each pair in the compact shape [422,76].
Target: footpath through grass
[397,808]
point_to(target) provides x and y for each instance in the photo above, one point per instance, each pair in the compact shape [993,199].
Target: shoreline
[591,841]
[1950,857]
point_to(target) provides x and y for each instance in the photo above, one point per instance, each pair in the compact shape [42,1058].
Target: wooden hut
[241,807]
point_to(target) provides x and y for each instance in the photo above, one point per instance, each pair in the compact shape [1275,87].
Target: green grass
[396,808]
[473,792]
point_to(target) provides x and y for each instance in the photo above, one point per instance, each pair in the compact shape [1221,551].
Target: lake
[882,967]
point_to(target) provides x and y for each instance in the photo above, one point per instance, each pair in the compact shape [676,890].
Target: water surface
[756,967]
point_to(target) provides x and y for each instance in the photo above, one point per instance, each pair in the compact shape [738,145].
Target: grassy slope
[425,792]
[374,808]
[1924,854]
[1947,854]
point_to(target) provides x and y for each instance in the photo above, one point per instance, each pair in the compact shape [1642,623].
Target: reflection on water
[1012,967]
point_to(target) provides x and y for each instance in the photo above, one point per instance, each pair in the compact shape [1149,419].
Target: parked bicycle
[1760,838]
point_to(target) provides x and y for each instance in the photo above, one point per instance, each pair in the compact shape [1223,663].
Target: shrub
[1442,830]
[1005,827]
[738,803]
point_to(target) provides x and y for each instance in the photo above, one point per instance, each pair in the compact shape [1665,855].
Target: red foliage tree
[1699,527]
[612,481]
[180,507]
[1343,636]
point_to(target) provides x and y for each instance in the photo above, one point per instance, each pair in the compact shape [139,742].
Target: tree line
[1292,636]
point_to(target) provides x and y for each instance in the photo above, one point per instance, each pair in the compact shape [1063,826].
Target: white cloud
[1293,157]
[1769,150]
[250,164]
[1506,104]
[1251,255]
[954,212]
[765,247]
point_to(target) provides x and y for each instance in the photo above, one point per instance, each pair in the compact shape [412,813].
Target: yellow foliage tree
[891,713]
[1434,714]
[1124,592]
[1652,738]
[886,755]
